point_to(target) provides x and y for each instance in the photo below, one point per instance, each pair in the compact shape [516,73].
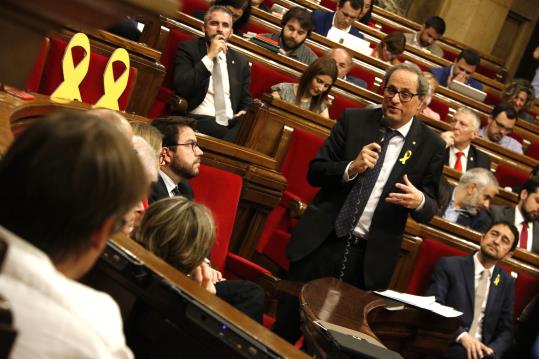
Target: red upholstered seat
[526,287]
[440,107]
[35,76]
[91,88]
[509,176]
[363,74]
[516,136]
[263,77]
[277,231]
[332,5]
[492,99]
[191,6]
[429,252]
[168,58]
[449,55]
[340,104]
[533,150]
[258,28]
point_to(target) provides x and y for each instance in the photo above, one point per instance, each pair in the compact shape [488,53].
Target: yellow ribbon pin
[406,156]
[114,89]
[497,280]
[73,75]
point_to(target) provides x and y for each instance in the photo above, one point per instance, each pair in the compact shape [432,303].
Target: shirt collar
[403,130]
[478,267]
[519,218]
[453,150]
[169,183]
[333,24]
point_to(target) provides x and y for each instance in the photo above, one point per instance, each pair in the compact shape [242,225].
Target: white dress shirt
[392,153]
[207,107]
[169,183]
[518,223]
[463,160]
[57,317]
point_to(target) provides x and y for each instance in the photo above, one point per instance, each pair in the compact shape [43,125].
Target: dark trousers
[246,296]
[325,261]
[208,126]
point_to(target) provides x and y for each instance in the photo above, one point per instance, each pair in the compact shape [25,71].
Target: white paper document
[428,303]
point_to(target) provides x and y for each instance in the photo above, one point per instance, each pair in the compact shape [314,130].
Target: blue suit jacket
[323,21]
[442,74]
[452,283]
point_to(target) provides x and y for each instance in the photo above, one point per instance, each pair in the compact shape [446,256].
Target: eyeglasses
[502,127]
[404,95]
[194,145]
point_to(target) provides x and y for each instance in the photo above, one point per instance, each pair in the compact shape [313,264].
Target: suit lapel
[495,286]
[472,158]
[535,244]
[233,77]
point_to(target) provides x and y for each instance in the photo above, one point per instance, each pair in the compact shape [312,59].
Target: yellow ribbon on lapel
[73,75]
[406,156]
[114,89]
[497,280]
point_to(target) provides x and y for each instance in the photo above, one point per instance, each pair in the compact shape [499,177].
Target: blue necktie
[359,194]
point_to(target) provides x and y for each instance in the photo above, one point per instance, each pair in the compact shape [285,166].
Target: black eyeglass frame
[400,93]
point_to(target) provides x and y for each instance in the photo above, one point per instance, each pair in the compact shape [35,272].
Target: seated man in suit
[180,161]
[344,64]
[461,154]
[214,79]
[462,69]
[482,291]
[297,25]
[466,204]
[67,182]
[347,12]
[500,124]
[525,215]
[431,31]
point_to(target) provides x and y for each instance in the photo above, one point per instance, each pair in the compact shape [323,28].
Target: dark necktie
[359,194]
[176,191]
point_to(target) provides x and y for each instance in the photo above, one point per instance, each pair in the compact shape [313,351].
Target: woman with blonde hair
[520,94]
[433,84]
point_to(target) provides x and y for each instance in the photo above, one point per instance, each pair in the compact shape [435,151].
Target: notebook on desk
[348,40]
[468,90]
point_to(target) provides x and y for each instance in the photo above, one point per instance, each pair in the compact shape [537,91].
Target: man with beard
[482,291]
[180,161]
[297,25]
[500,124]
[461,154]
[214,79]
[525,215]
[426,38]
[466,204]
[461,70]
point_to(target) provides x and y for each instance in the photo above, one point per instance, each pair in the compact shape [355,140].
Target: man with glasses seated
[500,124]
[343,18]
[377,166]
[462,69]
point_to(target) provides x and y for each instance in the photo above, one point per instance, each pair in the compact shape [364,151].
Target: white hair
[480,176]
[476,122]
[148,157]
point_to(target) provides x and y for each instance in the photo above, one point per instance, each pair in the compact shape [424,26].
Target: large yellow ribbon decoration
[406,156]
[114,89]
[73,75]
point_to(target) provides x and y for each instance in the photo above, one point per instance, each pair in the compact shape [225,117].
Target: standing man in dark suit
[376,167]
[482,291]
[180,161]
[468,202]
[462,69]
[525,216]
[343,18]
[461,154]
[213,79]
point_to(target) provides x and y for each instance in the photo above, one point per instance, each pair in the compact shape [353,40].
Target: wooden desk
[411,332]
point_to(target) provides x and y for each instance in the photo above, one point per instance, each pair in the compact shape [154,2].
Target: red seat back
[509,176]
[516,136]
[263,77]
[332,5]
[440,107]
[191,6]
[363,74]
[429,252]
[35,76]
[220,191]
[341,103]
[533,150]
[91,88]
[526,287]
[492,99]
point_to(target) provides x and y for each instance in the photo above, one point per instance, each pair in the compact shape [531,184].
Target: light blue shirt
[506,141]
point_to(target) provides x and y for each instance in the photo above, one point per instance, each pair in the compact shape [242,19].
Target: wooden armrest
[274,285]
[176,104]
[294,204]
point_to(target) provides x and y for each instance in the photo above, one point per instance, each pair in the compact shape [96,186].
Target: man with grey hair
[343,59]
[214,79]
[460,153]
[377,167]
[468,202]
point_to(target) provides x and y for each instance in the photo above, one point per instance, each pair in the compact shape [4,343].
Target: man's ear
[471,187]
[101,235]
[489,119]
[523,194]
[165,156]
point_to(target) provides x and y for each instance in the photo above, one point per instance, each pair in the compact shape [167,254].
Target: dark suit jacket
[323,21]
[159,190]
[357,81]
[355,129]
[452,283]
[508,213]
[192,78]
[476,158]
[480,222]
[442,75]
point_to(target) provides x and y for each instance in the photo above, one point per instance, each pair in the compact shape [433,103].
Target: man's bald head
[116,119]
[343,59]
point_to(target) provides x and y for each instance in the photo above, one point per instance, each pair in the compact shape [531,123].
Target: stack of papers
[428,303]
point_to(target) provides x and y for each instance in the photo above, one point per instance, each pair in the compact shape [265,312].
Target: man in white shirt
[525,216]
[478,287]
[66,182]
[214,79]
[461,155]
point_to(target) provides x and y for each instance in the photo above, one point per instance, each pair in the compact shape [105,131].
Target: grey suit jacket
[507,213]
